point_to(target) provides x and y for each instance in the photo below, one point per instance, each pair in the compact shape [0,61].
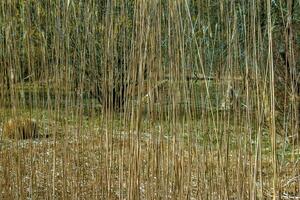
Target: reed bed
[175,99]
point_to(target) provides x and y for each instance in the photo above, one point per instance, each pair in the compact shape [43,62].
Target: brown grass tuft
[20,128]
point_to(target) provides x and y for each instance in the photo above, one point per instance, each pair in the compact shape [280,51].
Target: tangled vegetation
[172,99]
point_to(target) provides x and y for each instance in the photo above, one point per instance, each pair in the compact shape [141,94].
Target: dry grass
[173,99]
[20,128]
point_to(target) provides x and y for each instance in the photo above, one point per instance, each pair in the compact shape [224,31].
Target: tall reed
[176,99]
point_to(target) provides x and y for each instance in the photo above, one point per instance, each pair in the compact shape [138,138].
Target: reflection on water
[49,99]
[193,98]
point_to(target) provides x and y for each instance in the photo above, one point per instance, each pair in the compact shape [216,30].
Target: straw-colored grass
[175,99]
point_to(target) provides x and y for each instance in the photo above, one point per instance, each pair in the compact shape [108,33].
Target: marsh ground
[93,158]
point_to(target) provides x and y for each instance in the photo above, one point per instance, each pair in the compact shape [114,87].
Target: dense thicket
[219,63]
